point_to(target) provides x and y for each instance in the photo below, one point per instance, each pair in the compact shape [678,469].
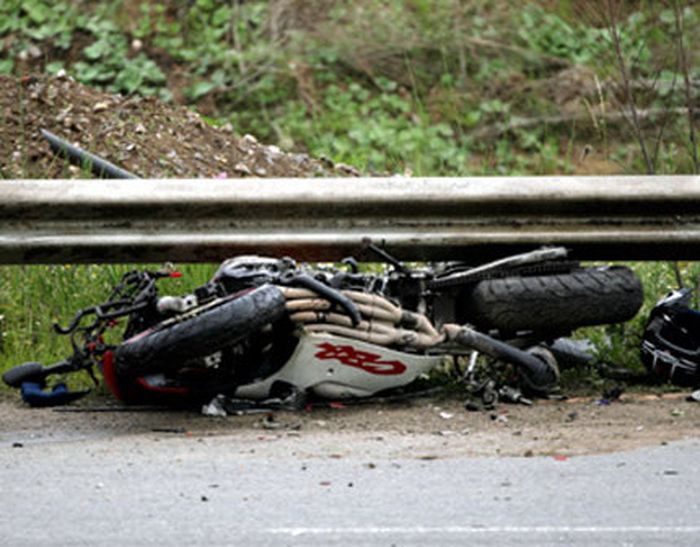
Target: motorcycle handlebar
[34,372]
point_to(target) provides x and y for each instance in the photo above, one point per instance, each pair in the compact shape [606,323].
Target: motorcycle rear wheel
[162,349]
[552,303]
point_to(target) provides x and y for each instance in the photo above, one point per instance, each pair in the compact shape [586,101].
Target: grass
[385,85]
[33,298]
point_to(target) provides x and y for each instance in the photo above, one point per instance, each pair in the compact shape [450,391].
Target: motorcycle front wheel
[168,345]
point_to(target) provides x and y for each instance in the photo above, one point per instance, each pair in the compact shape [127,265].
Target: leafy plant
[549,33]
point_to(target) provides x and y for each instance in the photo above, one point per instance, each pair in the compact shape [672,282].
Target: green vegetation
[430,88]
[33,298]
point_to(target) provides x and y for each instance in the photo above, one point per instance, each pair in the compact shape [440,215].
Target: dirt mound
[140,134]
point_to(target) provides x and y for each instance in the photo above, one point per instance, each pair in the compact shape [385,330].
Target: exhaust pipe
[539,376]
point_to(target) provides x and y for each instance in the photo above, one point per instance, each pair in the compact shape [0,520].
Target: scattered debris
[694,397]
[222,405]
[509,394]
[472,406]
[214,408]
[268,422]
[499,418]
[180,430]
[677,412]
[406,431]
[610,395]
[613,393]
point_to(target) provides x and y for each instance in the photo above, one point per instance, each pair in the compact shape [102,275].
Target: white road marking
[477,530]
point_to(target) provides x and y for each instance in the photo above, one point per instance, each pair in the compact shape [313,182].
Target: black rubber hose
[100,167]
[540,376]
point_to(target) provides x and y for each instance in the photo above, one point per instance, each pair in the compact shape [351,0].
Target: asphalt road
[315,489]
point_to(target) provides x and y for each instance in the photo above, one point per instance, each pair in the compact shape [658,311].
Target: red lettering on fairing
[369,362]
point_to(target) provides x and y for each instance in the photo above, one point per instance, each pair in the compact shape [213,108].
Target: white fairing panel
[337,367]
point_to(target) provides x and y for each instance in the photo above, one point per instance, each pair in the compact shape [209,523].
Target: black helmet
[671,343]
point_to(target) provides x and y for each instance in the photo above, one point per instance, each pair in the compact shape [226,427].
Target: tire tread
[201,335]
[556,303]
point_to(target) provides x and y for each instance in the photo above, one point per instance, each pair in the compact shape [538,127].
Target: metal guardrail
[473,219]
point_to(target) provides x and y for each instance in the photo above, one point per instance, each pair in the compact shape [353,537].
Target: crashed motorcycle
[266,328]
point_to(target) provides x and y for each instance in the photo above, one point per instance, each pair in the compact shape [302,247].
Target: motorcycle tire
[553,303]
[165,348]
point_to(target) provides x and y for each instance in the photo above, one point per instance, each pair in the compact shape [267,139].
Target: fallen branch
[523,52]
[518,123]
